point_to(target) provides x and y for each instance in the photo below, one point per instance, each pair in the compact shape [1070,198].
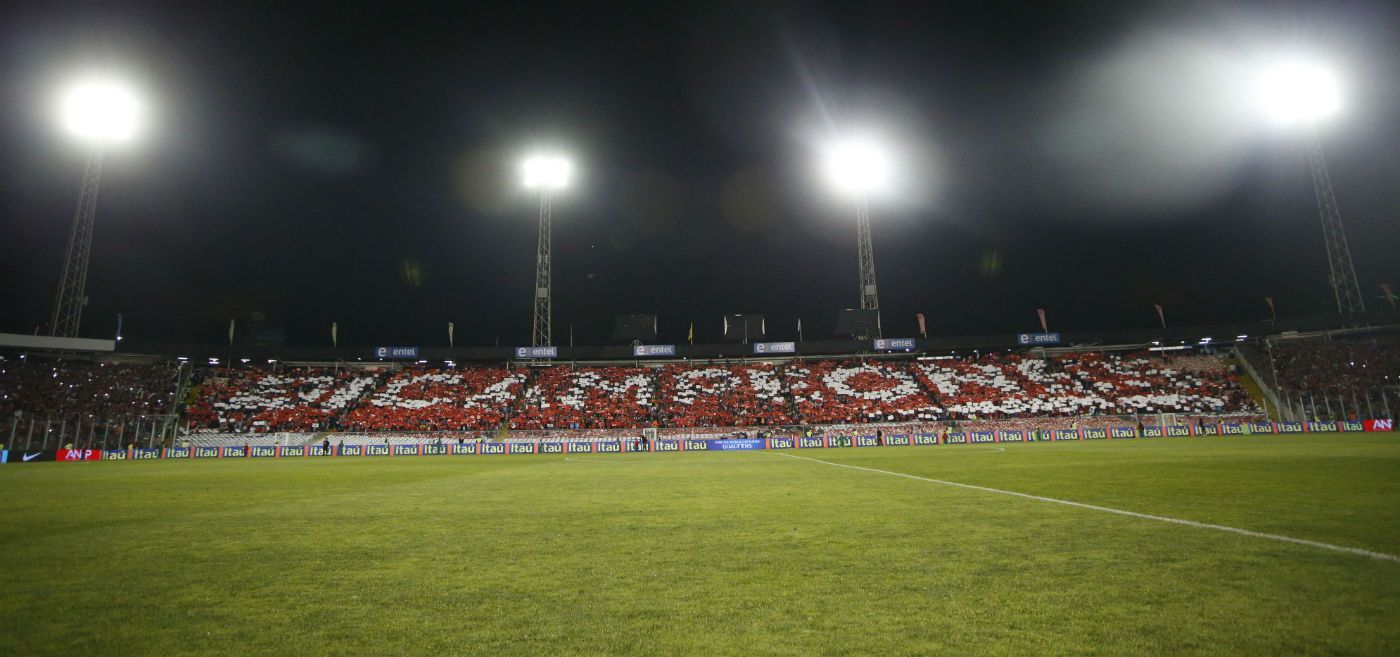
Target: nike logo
[31,457]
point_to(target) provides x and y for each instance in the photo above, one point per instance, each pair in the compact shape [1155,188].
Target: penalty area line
[1132,514]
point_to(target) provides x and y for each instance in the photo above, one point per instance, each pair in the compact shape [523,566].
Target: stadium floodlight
[857,166]
[547,172]
[1297,91]
[544,173]
[100,112]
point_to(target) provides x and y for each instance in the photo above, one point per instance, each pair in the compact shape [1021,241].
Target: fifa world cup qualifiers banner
[722,445]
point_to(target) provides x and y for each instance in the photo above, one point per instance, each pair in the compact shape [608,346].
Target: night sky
[358,163]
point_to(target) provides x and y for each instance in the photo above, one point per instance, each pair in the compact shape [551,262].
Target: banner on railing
[841,439]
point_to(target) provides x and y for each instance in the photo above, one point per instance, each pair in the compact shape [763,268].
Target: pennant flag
[1389,296]
[1160,315]
[335,342]
[451,328]
[1273,313]
[763,326]
[726,325]
[230,331]
[799,329]
[923,329]
[690,337]
[1043,327]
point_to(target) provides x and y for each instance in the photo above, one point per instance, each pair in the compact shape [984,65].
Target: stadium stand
[302,399]
[421,399]
[65,388]
[722,396]
[1092,383]
[1322,366]
[691,398]
[562,397]
[826,392]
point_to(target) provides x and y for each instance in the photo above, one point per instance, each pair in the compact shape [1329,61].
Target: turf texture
[735,553]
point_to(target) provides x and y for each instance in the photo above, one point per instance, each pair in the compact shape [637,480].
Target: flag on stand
[1273,313]
[690,337]
[334,337]
[1160,315]
[451,328]
[230,332]
[923,329]
[799,329]
[1043,327]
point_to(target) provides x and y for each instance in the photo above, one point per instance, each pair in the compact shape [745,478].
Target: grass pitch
[712,553]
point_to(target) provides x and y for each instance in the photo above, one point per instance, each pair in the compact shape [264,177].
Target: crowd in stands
[298,399]
[826,392]
[84,389]
[1339,366]
[681,396]
[587,398]
[722,396]
[1092,383]
[420,399]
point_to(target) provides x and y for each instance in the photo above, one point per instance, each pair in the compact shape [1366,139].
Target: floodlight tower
[545,173]
[857,168]
[100,113]
[1301,94]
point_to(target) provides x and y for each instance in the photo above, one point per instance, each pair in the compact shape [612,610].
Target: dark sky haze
[357,163]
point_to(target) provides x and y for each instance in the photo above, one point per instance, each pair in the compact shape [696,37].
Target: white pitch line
[1147,516]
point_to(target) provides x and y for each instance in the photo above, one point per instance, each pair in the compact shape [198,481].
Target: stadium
[261,457]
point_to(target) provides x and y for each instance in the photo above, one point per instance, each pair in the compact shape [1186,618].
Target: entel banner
[537,352]
[775,347]
[893,344]
[1038,338]
[644,350]
[396,352]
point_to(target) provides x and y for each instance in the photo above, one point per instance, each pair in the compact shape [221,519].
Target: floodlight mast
[544,310]
[1341,271]
[856,168]
[1300,93]
[544,174]
[72,284]
[869,297]
[98,112]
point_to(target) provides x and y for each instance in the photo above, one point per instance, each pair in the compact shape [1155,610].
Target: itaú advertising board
[864,439]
